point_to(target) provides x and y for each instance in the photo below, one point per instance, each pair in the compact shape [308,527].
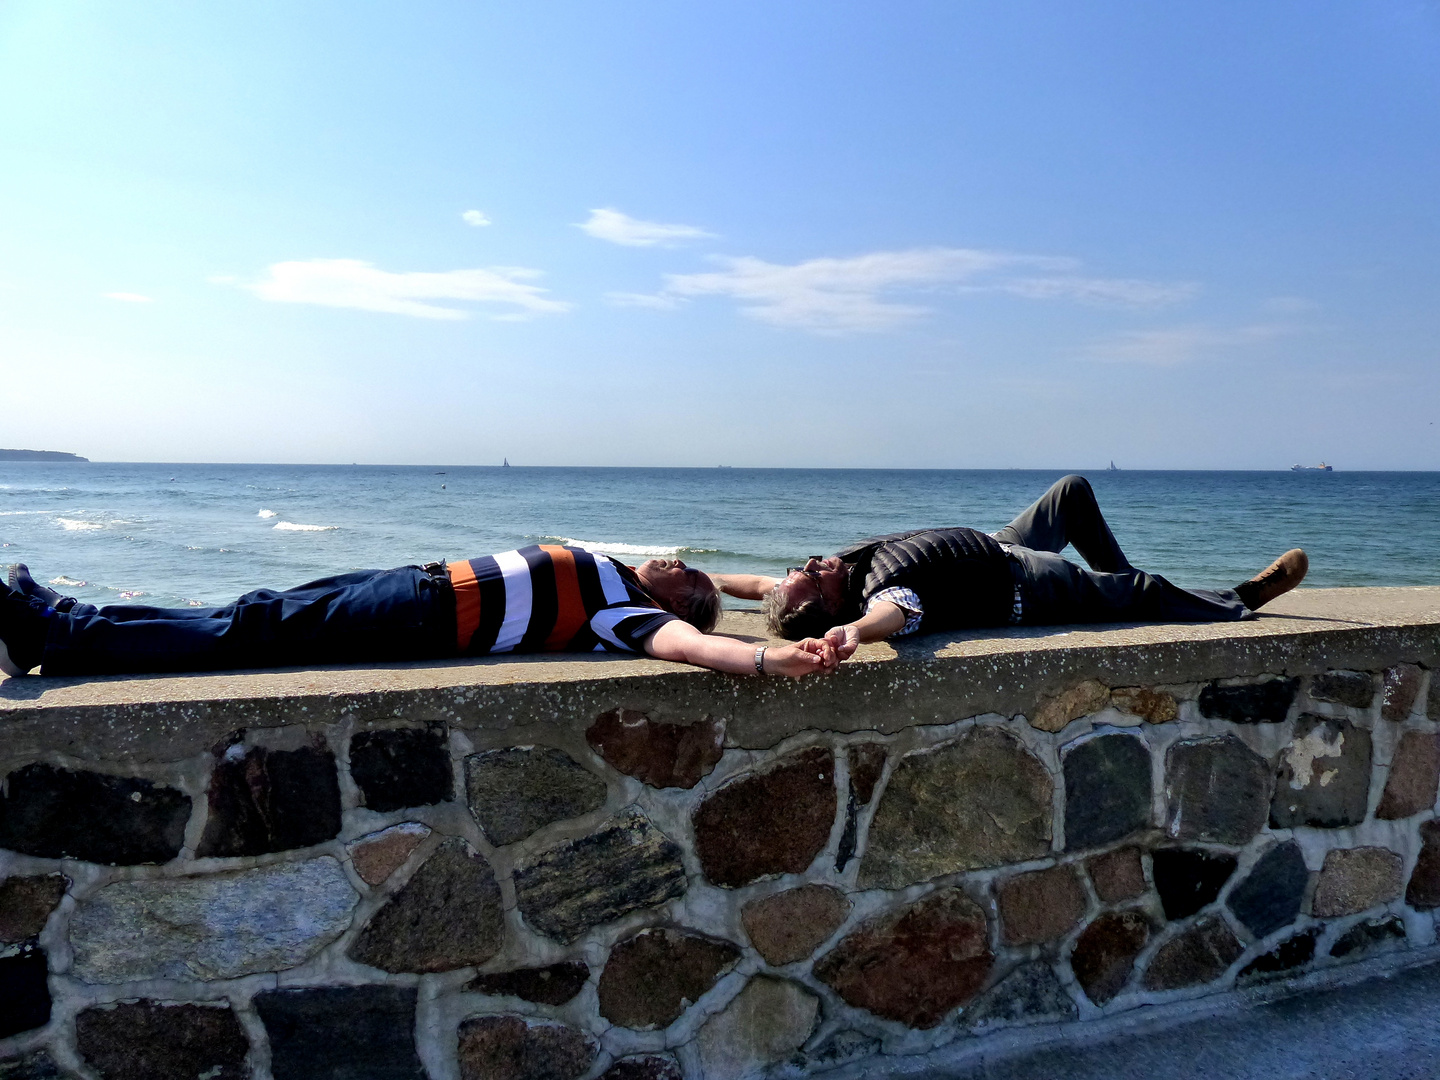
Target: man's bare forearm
[744,586]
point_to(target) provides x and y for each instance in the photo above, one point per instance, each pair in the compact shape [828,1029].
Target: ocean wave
[266,514]
[290,526]
[130,594]
[69,583]
[653,551]
[76,525]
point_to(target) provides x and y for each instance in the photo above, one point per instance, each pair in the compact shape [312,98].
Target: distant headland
[39,455]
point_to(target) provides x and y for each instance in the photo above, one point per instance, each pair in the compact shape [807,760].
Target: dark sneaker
[1278,578]
[24,625]
[23,583]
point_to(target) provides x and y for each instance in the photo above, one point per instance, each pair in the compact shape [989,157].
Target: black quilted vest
[962,576]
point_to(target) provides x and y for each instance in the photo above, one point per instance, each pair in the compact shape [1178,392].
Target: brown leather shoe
[1279,577]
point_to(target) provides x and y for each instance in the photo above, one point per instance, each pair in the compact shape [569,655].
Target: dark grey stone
[1029,994]
[644,1067]
[24,990]
[625,865]
[1199,955]
[1218,790]
[1107,790]
[1353,688]
[553,984]
[264,800]
[514,792]
[1368,937]
[447,916]
[1324,775]
[1271,894]
[38,1065]
[341,1033]
[1264,702]
[401,768]
[145,1040]
[1293,952]
[839,1048]
[1187,880]
[55,813]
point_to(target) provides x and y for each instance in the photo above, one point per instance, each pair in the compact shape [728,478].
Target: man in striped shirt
[542,598]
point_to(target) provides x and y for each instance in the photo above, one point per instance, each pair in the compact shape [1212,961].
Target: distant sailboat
[505,463]
[1113,467]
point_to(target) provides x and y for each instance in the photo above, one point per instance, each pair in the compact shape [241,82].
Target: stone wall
[432,883]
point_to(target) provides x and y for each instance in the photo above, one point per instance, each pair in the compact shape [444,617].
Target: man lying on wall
[540,598]
[955,578]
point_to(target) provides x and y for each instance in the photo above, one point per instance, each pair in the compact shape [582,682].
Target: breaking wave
[76,525]
[266,514]
[290,526]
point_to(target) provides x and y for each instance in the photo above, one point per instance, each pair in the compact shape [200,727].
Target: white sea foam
[76,525]
[266,514]
[290,526]
[70,583]
[616,548]
[130,594]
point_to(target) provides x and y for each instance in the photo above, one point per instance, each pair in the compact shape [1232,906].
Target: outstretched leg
[1068,514]
[1057,591]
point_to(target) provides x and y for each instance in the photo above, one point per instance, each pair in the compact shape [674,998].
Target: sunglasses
[813,575]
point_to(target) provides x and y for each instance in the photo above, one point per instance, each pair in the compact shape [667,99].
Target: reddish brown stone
[26,903]
[1054,712]
[1423,892]
[653,977]
[554,984]
[1040,906]
[1355,879]
[772,821]
[789,926]
[1199,955]
[264,800]
[644,1067]
[1399,689]
[1414,775]
[661,755]
[516,1048]
[1156,706]
[145,1040]
[379,854]
[1117,875]
[913,965]
[1105,953]
[867,762]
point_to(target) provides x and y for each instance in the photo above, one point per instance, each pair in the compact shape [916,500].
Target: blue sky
[1179,235]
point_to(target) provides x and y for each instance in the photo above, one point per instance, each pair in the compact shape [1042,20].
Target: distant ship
[1113,467]
[1322,467]
[505,463]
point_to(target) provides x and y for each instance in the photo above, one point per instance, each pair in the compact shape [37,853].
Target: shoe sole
[8,666]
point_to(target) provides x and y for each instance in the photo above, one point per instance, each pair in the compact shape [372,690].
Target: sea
[186,534]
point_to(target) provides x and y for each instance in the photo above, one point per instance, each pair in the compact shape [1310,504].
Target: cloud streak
[476,218]
[1171,346]
[610,224]
[352,283]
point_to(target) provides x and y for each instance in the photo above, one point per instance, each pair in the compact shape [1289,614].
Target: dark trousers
[369,615]
[1055,590]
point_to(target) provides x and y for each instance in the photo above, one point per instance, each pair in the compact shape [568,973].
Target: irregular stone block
[1217,789]
[1354,879]
[400,768]
[448,915]
[843,1046]
[765,1023]
[625,865]
[554,984]
[653,977]
[1271,895]
[661,755]
[1432,701]
[1187,880]
[1324,775]
[1399,689]
[983,800]
[55,813]
[24,990]
[1199,955]
[264,800]
[789,926]
[1040,906]
[1423,892]
[644,1067]
[1353,688]
[1146,702]
[1054,712]
[341,1033]
[1030,994]
[377,855]
[1414,776]
[514,792]
[26,904]
[1367,937]
[867,764]
[1107,790]
[38,1065]
[913,965]
[1293,952]
[771,821]
[1105,952]
[517,1048]
[1264,702]
[220,926]
[145,1040]
[1117,875]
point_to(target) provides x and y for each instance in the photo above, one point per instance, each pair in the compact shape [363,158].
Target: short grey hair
[808,619]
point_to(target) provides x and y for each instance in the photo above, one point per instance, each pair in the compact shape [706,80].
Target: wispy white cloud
[351,283]
[610,224]
[1169,346]
[859,293]
[475,217]
[658,301]
[128,297]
